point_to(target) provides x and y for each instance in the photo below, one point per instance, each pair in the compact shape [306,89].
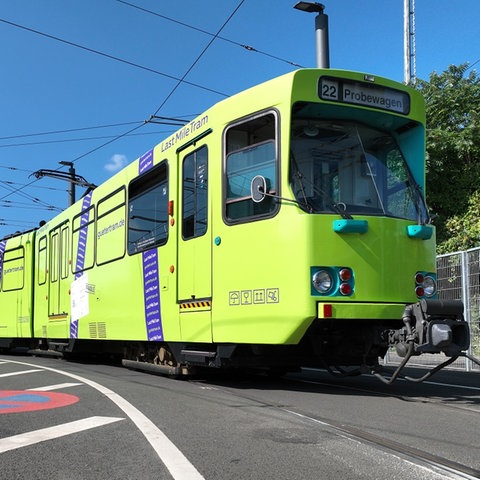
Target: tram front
[357,171]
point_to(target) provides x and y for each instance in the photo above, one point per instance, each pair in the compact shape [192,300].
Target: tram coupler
[430,326]
[439,326]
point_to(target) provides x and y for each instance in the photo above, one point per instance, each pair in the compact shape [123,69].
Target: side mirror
[258,188]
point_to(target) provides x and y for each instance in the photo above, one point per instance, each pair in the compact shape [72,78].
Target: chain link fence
[458,277]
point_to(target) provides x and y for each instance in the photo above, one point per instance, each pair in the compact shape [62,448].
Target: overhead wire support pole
[69,176]
[71,187]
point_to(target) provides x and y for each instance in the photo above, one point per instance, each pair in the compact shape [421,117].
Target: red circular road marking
[16,401]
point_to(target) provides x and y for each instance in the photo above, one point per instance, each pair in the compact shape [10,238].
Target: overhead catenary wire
[172,91]
[28,206]
[69,130]
[189,69]
[25,222]
[8,182]
[168,120]
[107,55]
[67,140]
[15,168]
[173,121]
[20,192]
[233,42]
[139,125]
[180,80]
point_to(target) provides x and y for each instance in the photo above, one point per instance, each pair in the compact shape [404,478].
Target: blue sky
[50,85]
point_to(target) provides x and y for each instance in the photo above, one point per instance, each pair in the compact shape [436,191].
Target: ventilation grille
[97,330]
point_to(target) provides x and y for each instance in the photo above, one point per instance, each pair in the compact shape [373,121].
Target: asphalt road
[66,420]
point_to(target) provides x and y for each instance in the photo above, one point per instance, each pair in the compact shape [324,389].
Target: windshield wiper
[298,177]
[341,209]
[422,210]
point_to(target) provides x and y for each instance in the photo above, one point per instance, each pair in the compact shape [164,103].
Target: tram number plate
[329,89]
[364,94]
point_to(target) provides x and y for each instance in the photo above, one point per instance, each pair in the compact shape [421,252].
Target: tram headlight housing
[322,281]
[425,284]
[332,281]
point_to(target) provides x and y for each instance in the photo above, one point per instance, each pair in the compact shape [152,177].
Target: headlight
[429,286]
[322,281]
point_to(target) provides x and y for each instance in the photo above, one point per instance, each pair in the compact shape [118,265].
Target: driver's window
[251,150]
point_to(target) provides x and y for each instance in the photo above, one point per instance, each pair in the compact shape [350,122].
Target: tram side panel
[16,296]
[261,290]
[108,293]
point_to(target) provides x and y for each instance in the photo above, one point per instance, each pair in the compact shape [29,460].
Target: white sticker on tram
[176,463]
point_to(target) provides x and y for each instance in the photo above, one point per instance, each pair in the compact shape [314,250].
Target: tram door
[194,272]
[58,299]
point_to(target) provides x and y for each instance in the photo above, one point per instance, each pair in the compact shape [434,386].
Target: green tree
[453,150]
[463,230]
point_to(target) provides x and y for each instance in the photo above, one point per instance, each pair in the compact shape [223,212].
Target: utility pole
[410,74]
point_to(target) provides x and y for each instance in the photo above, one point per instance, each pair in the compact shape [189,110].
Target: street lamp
[321,31]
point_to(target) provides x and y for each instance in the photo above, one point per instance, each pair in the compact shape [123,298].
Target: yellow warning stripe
[196,305]
[59,317]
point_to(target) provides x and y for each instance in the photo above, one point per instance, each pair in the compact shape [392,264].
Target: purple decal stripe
[82,237]
[151,291]
[81,251]
[145,162]
[3,245]
[151,278]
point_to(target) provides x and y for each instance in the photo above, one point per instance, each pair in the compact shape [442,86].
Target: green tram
[284,227]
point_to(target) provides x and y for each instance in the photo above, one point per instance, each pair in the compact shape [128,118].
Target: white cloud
[117,162]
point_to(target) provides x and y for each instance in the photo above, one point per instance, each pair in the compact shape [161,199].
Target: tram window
[42,261]
[195,194]
[111,227]
[13,269]
[148,210]
[54,252]
[251,150]
[64,261]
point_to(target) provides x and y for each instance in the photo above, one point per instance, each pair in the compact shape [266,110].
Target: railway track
[416,456]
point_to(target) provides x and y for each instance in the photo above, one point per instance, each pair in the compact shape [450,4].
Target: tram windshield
[349,168]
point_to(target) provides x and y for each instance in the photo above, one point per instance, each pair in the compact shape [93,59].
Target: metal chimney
[321,31]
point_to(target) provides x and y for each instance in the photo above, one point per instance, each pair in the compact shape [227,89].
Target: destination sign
[365,94]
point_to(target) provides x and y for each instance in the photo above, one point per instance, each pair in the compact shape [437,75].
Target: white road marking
[49,388]
[44,434]
[464,387]
[13,374]
[175,461]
